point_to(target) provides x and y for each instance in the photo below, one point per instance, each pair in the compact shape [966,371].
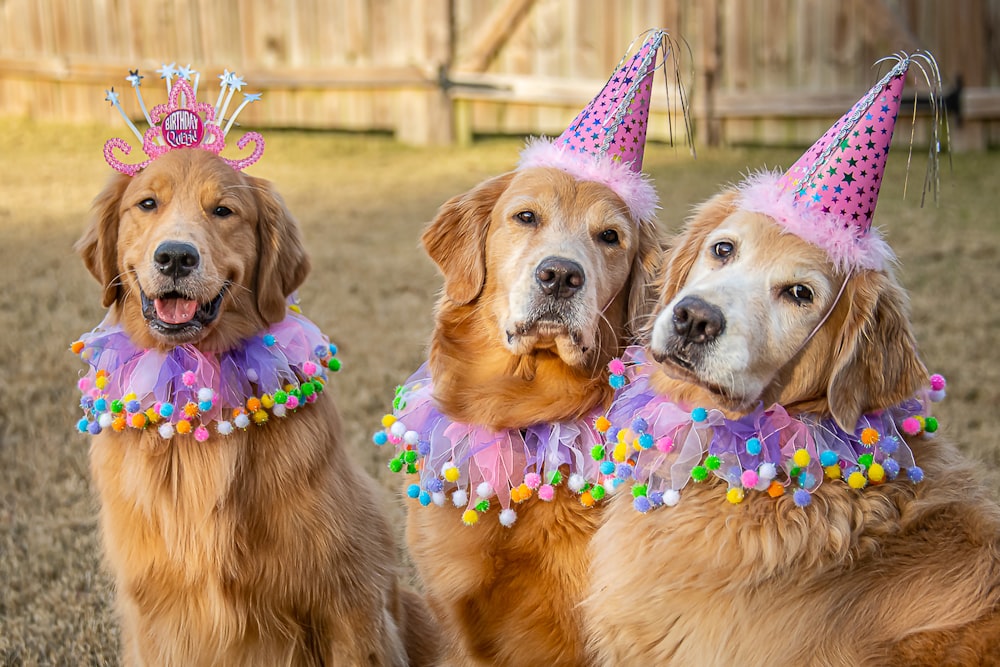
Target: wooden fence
[435,71]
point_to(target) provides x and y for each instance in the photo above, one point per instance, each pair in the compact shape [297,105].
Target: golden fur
[508,596]
[266,547]
[898,573]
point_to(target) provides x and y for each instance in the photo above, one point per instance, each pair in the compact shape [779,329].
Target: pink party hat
[605,142]
[828,196]
[183,122]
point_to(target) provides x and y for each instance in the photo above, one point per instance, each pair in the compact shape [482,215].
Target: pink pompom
[937,382]
[201,434]
[395,439]
[546,492]
[309,368]
[911,426]
[749,478]
[312,398]
[616,366]
[533,480]
[83,384]
[292,403]
[665,444]
[188,378]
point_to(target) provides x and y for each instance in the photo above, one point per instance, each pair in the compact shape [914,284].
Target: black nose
[559,278]
[697,321]
[176,259]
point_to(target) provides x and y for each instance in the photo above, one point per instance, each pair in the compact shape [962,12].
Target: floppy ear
[456,238]
[875,356]
[684,249]
[282,264]
[99,244]
[644,273]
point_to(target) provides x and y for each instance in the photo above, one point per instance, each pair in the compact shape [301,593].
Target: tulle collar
[478,466]
[184,391]
[663,447]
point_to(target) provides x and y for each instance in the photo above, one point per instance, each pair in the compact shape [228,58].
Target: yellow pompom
[801,458]
[876,473]
[183,427]
[388,420]
[620,452]
[129,397]
[833,472]
[523,492]
[259,417]
[869,437]
[138,420]
[602,424]
[267,401]
[856,480]
[151,416]
[775,490]
[452,474]
[735,495]
[587,499]
[469,517]
[515,494]
[101,381]
[295,308]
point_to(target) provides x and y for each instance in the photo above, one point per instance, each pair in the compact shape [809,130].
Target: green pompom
[712,462]
[396,465]
[597,452]
[482,505]
[308,389]
[117,406]
[699,473]
[410,456]
[795,471]
[333,364]
[638,490]
[930,424]
[866,460]
[555,478]
[411,468]
[280,397]
[597,492]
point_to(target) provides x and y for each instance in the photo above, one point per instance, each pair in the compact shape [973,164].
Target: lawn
[362,201]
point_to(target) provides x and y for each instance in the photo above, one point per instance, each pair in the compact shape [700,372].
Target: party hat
[828,196]
[606,141]
[183,122]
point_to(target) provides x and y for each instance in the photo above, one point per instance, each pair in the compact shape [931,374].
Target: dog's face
[192,251]
[545,255]
[743,318]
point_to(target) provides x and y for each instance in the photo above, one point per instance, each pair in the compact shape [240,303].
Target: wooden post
[425,116]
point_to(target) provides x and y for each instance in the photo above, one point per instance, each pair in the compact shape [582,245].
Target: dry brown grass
[362,202]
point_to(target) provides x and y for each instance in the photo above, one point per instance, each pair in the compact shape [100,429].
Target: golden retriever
[265,546]
[896,573]
[545,278]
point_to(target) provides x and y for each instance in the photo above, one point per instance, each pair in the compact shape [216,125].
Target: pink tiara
[184,122]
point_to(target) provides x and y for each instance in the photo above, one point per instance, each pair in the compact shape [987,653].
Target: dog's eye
[148,204]
[722,249]
[609,236]
[527,217]
[222,211]
[800,294]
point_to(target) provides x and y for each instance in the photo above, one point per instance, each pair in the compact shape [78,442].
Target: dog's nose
[559,277]
[176,259]
[698,321]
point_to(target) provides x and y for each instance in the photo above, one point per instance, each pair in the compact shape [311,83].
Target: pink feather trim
[632,186]
[847,247]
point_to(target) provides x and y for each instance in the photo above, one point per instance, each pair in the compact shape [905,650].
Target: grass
[362,201]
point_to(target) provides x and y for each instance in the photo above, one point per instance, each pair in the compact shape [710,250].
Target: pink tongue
[175,311]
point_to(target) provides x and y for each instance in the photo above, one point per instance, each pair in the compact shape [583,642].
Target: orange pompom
[118,423]
[515,495]
[869,437]
[77,347]
[138,420]
[191,409]
[253,404]
[523,491]
[587,499]
[183,427]
[775,490]
[602,424]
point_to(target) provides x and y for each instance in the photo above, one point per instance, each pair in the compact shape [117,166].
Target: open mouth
[175,314]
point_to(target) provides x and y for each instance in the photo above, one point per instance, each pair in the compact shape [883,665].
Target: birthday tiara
[184,122]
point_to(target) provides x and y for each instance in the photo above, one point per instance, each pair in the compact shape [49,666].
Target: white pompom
[398,428]
[611,484]
[166,430]
[460,498]
[671,497]
[242,420]
[279,410]
[411,438]
[767,471]
[252,375]
[205,394]
[576,482]
[438,498]
[484,490]
[508,517]
[224,427]
[105,420]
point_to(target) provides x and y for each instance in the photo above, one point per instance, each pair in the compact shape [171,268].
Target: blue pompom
[616,381]
[623,471]
[434,485]
[889,444]
[101,405]
[828,457]
[205,406]
[807,480]
[645,440]
[699,414]
[380,438]
[656,498]
[801,497]
[94,428]
[916,474]
[607,467]
[133,406]
[423,447]
[891,468]
[333,349]
[166,410]
[753,446]
[642,504]
[268,340]
[612,433]
[86,402]
[639,425]
[413,490]
[82,425]
[424,498]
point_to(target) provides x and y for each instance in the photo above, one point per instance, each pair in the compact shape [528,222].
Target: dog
[265,546]
[546,278]
[896,573]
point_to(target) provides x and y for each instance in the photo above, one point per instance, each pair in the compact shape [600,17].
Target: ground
[362,201]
